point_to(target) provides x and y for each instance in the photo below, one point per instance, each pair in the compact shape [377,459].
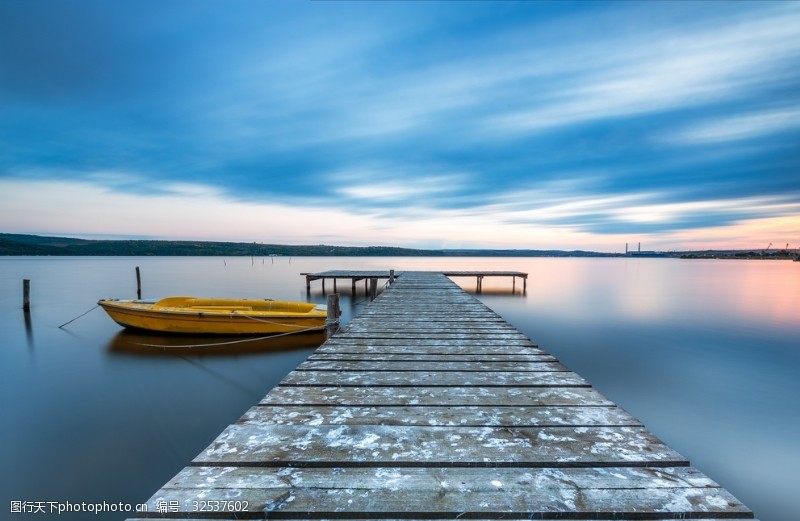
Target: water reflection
[140,343]
[704,353]
[28,327]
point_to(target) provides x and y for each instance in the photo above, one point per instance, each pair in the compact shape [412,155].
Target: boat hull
[188,315]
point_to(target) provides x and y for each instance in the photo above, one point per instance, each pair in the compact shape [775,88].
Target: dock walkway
[428,405]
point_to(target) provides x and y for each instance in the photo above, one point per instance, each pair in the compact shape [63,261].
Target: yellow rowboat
[216,316]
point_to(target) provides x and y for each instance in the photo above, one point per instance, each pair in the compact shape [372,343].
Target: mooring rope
[79,316]
[234,314]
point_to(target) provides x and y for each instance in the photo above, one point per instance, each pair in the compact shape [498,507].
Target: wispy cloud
[667,72]
[739,127]
[377,185]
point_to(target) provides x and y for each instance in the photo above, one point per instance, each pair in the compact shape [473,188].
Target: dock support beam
[332,319]
[373,288]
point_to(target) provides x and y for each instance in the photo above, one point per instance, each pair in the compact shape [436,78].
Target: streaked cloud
[514,124]
[740,127]
[666,72]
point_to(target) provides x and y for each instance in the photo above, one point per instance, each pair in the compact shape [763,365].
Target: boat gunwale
[140,307]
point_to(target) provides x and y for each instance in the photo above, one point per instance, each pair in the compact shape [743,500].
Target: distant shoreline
[36,245]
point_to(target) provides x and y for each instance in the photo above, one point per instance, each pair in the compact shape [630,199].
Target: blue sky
[561,125]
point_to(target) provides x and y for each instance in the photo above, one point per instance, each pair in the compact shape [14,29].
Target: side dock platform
[428,405]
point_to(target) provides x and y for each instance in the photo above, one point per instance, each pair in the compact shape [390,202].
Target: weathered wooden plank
[351,517]
[433,378]
[422,321]
[453,352]
[436,396]
[369,365]
[457,502]
[439,416]
[444,335]
[446,309]
[410,288]
[352,273]
[430,328]
[431,331]
[573,493]
[434,478]
[524,345]
[414,319]
[379,445]
[432,357]
[387,314]
[423,294]
[492,273]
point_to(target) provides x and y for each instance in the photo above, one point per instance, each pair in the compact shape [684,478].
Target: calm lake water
[705,353]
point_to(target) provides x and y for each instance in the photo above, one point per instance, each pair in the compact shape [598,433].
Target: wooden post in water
[26,295]
[373,288]
[332,320]
[391,276]
[138,283]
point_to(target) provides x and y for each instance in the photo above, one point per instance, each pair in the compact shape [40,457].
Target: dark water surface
[705,353]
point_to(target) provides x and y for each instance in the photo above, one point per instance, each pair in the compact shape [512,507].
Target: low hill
[23,245]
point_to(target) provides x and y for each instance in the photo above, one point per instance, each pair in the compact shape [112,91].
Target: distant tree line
[23,245]
[36,245]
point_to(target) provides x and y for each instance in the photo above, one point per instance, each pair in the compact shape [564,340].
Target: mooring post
[138,284]
[373,288]
[391,276]
[332,319]
[26,294]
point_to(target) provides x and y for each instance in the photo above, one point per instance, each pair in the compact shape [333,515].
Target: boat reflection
[142,343]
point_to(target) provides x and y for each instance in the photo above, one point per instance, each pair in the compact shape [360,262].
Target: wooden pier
[369,276]
[428,405]
[480,275]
